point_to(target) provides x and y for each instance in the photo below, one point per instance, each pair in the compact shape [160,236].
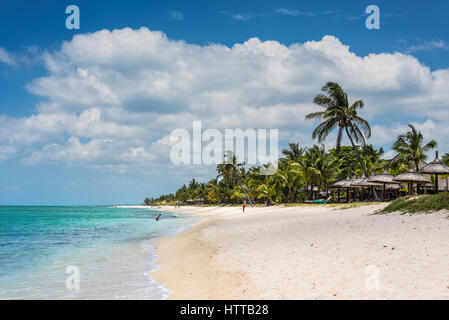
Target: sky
[86,114]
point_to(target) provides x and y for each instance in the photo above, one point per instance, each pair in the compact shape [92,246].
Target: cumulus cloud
[111,98]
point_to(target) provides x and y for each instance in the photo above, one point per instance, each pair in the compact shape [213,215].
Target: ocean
[82,252]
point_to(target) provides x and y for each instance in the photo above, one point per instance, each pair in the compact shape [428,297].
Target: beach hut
[436,167]
[395,187]
[427,186]
[410,177]
[364,183]
[310,190]
[347,184]
[356,182]
[337,185]
[360,183]
[383,178]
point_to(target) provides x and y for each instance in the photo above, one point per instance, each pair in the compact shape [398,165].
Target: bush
[423,203]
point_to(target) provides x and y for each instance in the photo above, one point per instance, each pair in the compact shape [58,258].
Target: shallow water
[110,246]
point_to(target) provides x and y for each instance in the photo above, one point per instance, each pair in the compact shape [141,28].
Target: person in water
[158,216]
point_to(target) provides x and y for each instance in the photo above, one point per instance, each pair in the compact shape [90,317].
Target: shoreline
[310,252]
[185,261]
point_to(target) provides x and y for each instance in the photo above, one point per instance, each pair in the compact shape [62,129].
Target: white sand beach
[307,252]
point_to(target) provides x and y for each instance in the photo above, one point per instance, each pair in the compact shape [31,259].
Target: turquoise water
[109,246]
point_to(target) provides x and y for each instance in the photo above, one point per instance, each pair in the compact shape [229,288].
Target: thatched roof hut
[337,184]
[411,176]
[394,186]
[347,183]
[383,178]
[436,167]
[308,189]
[359,181]
[428,185]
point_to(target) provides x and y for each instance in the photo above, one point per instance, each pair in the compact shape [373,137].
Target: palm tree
[339,114]
[229,170]
[213,191]
[238,194]
[267,190]
[372,158]
[294,152]
[410,147]
[445,158]
[291,178]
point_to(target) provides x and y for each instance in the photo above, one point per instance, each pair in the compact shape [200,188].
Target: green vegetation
[339,114]
[313,166]
[409,147]
[422,203]
[305,172]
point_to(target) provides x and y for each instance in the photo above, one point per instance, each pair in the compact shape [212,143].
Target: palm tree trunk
[310,192]
[360,160]
[244,190]
[246,193]
[356,152]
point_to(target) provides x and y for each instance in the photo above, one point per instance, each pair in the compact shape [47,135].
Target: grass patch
[424,204]
[342,206]
[333,205]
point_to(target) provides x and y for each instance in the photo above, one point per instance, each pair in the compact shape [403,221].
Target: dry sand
[314,252]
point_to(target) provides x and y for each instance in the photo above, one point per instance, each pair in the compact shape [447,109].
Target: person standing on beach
[244,205]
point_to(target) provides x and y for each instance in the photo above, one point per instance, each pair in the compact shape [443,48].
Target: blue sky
[40,161]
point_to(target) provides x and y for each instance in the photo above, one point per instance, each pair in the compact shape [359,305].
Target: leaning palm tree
[410,147]
[340,114]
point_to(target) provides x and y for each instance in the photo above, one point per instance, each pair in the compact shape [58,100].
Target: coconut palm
[339,114]
[237,194]
[291,178]
[231,170]
[410,147]
[267,191]
[294,152]
[213,191]
[372,158]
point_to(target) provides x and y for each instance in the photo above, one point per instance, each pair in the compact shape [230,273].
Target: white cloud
[427,46]
[242,16]
[176,15]
[293,12]
[113,97]
[5,57]
[288,12]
